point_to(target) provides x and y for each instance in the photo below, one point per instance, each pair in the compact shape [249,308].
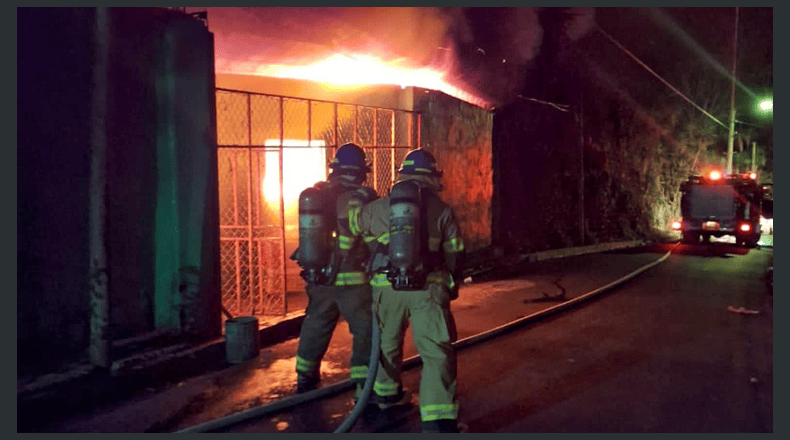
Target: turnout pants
[434,332]
[325,307]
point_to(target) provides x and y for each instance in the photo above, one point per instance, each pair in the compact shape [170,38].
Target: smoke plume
[483,51]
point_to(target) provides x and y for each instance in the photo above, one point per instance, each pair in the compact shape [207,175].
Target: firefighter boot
[306,383]
[400,400]
[440,426]
[357,393]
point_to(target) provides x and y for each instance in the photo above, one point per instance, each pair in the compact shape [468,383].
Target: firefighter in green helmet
[414,271]
[333,263]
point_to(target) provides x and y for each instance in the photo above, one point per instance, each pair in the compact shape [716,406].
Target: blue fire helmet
[349,159]
[419,162]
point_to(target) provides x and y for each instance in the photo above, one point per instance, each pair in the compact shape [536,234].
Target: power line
[560,107]
[659,77]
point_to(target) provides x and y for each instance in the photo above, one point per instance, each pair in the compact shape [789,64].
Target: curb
[502,265]
[413,361]
[51,393]
[581,250]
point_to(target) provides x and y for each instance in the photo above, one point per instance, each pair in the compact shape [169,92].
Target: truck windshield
[712,201]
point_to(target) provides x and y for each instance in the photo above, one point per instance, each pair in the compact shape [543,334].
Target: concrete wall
[459,136]
[53,171]
[157,129]
[186,234]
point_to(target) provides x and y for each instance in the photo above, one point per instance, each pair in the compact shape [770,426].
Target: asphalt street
[482,306]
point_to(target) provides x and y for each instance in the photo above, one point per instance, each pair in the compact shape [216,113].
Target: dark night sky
[661,36]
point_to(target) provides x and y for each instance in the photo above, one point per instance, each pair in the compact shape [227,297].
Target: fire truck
[717,205]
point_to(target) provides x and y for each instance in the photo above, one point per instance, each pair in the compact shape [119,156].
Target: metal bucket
[242,341]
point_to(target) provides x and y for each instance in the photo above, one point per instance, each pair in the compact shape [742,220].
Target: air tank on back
[315,235]
[404,246]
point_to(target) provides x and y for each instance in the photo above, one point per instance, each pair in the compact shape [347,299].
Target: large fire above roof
[345,69]
[341,46]
[479,55]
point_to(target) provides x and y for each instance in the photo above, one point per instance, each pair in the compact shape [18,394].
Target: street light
[767,105]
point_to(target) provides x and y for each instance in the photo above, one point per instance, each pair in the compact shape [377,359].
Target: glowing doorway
[304,164]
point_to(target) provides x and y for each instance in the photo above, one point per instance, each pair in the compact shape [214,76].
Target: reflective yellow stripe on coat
[350,278]
[353,220]
[345,242]
[379,280]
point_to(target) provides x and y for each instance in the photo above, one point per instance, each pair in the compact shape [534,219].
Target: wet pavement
[483,305]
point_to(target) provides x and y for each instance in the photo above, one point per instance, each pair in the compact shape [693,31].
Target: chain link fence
[270,149]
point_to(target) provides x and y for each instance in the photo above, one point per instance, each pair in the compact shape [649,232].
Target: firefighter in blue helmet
[333,264]
[414,271]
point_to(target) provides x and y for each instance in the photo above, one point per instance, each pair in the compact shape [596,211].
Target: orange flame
[359,69]
[302,168]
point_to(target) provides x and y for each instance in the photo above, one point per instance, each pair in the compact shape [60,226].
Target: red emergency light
[676,225]
[745,227]
[715,175]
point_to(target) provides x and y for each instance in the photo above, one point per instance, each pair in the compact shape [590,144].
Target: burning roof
[432,48]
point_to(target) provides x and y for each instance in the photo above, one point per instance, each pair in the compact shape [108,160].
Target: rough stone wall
[604,169]
[630,178]
[537,168]
[633,174]
[459,136]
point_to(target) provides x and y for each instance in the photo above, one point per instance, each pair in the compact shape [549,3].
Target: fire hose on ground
[409,363]
[373,367]
[316,394]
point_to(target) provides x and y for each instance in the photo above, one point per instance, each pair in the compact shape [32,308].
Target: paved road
[667,352]
[687,347]
[631,361]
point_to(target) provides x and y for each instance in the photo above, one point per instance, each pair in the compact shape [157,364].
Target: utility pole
[754,151]
[732,95]
[98,278]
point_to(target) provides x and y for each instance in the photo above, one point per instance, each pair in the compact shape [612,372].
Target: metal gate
[270,149]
